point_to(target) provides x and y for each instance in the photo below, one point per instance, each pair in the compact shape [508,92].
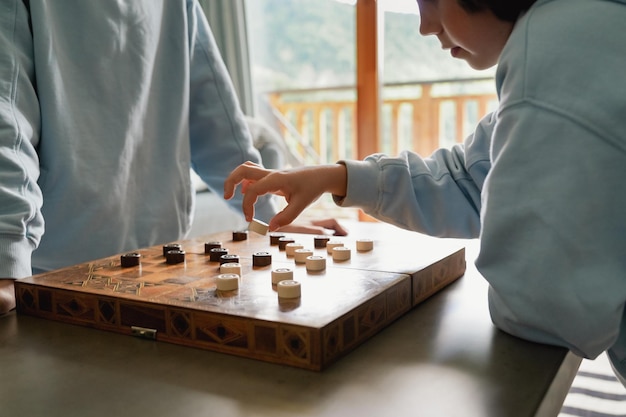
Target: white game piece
[230,268]
[227,282]
[290,248]
[315,263]
[281,274]
[332,244]
[341,253]
[300,255]
[258,226]
[364,245]
[289,289]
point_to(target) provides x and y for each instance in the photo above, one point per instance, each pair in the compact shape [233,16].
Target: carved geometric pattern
[105,282]
[433,279]
[404,300]
[44,300]
[27,298]
[128,287]
[332,342]
[399,299]
[199,296]
[99,282]
[202,294]
[180,280]
[222,333]
[181,324]
[74,307]
[348,330]
[265,339]
[296,344]
[371,316]
[422,285]
[106,312]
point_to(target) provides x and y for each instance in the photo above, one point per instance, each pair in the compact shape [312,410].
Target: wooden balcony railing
[319,124]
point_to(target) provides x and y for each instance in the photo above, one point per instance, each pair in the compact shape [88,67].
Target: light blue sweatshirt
[103,109]
[542,182]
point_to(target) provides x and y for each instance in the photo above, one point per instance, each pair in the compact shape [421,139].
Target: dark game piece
[171,246]
[211,245]
[282,242]
[261,259]
[175,256]
[216,254]
[274,237]
[239,235]
[130,259]
[320,241]
[229,258]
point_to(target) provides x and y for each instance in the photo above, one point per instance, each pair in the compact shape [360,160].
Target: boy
[540,181]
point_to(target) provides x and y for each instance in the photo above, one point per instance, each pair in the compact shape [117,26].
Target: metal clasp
[143,332]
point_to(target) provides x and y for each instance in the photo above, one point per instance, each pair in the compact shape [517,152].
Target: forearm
[334,179]
[421,194]
[7,296]
[21,222]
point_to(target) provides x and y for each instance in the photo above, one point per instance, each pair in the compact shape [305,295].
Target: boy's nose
[429,25]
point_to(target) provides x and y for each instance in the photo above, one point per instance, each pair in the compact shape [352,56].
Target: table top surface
[443,358]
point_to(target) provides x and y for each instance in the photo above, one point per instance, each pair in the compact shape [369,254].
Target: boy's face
[476,37]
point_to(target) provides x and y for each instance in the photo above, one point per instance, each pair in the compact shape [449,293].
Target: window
[303,59]
[305,71]
[434,100]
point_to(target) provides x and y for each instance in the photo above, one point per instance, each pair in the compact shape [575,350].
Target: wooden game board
[339,309]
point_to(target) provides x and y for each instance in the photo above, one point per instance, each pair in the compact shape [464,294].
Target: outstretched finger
[287,215]
[254,189]
[247,205]
[248,171]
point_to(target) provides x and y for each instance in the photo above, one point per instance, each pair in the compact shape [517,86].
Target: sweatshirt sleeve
[439,195]
[21,222]
[220,139]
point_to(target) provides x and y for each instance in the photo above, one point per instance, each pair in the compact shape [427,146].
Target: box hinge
[143,332]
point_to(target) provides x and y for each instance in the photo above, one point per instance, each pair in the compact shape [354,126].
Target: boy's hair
[508,10]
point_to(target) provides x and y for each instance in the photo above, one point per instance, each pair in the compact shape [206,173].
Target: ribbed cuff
[15,258]
[362,189]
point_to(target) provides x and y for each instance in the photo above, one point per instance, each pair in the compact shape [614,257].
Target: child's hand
[300,187]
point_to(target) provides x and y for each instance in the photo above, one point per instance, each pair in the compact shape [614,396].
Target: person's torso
[113,86]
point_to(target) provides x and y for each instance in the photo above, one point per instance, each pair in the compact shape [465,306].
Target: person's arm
[21,223]
[7,296]
[439,195]
[220,139]
[219,136]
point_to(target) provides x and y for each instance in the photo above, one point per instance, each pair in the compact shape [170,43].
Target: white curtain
[228,22]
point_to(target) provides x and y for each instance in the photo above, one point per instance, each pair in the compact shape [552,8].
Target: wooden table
[443,358]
